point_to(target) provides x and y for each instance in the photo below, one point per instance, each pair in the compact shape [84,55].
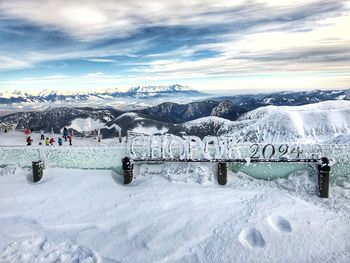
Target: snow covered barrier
[266,161]
[338,154]
[213,148]
[101,157]
[109,157]
[18,155]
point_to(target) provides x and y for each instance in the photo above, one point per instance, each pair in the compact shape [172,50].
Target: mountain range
[9,97]
[248,117]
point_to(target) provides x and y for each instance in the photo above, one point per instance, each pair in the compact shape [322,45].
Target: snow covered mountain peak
[328,106]
[159,89]
[47,92]
[308,123]
[49,95]
[13,94]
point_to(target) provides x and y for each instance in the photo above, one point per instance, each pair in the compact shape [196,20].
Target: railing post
[222,173]
[323,177]
[127,167]
[37,171]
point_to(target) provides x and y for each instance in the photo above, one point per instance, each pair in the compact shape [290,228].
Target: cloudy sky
[253,44]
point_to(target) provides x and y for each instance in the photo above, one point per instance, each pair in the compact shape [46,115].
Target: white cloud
[7,62]
[324,50]
[91,19]
[101,60]
[313,52]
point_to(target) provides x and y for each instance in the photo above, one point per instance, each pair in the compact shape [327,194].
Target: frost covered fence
[226,147]
[109,157]
[266,161]
[91,157]
[338,154]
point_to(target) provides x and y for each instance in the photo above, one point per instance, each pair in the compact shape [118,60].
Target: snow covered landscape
[174,131]
[81,211]
[90,216]
[319,122]
[169,213]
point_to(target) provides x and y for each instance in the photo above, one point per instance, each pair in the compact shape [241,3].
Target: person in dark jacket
[60,141]
[65,133]
[70,140]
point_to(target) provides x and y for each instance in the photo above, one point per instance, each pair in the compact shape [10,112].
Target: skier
[70,140]
[60,141]
[47,143]
[65,133]
[42,136]
[29,141]
[52,140]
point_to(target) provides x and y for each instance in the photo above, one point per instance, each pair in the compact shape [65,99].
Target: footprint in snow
[279,223]
[251,237]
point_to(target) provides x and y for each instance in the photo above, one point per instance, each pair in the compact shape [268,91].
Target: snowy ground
[18,138]
[183,216]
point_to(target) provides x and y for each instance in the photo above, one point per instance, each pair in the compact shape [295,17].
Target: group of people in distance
[49,141]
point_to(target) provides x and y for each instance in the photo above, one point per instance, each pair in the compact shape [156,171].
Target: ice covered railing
[109,157]
[226,147]
[339,155]
[243,156]
[91,157]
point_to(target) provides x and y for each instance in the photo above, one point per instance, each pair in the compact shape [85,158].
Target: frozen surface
[90,216]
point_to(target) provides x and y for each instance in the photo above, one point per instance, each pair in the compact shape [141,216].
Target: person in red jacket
[52,140]
[29,141]
[27,132]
